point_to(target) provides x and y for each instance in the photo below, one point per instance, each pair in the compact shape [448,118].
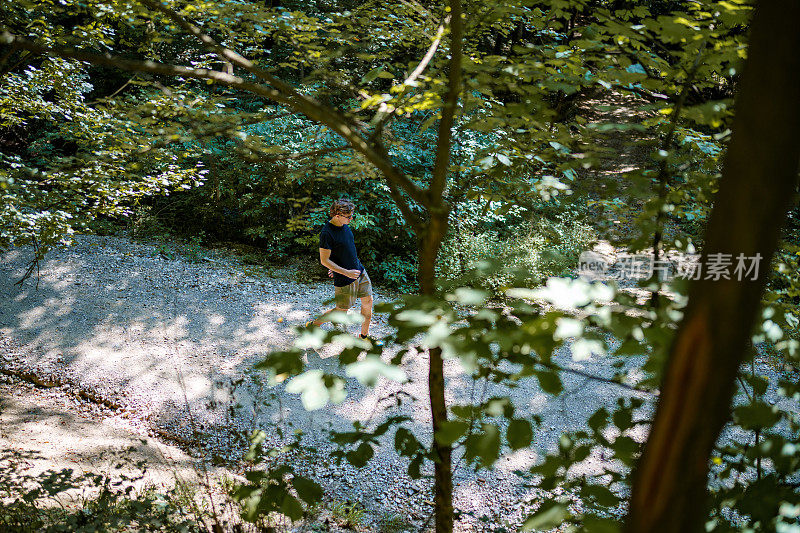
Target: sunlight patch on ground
[518,460]
[29,318]
[538,401]
[196,386]
[215,319]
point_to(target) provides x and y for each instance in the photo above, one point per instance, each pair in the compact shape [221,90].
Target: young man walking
[337,252]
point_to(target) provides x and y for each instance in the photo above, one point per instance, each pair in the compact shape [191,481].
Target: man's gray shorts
[360,288]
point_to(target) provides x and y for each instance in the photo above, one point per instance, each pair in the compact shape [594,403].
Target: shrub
[399,273]
[529,253]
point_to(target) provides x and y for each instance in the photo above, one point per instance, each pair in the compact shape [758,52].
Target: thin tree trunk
[430,243]
[759,180]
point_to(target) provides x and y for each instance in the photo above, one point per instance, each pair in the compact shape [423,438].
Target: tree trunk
[758,181]
[430,242]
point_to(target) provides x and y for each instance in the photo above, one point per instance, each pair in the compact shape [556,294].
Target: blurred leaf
[549,515]
[361,455]
[451,431]
[519,434]
[316,389]
[371,368]
[308,490]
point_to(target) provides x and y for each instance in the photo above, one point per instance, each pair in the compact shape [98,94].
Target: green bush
[529,252]
[399,273]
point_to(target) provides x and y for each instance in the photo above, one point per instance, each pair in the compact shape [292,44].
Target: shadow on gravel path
[163,338]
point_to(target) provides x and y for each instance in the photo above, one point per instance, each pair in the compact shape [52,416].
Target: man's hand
[352,274]
[330,273]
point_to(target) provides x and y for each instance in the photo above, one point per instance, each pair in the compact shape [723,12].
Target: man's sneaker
[376,342]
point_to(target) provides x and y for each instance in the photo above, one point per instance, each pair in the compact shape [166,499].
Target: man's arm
[325,259]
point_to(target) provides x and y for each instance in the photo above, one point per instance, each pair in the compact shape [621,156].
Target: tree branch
[592,377]
[224,53]
[216,131]
[411,217]
[669,493]
[443,143]
[663,175]
[383,115]
[653,97]
[419,8]
[412,78]
[295,155]
[4,60]
[234,58]
[114,93]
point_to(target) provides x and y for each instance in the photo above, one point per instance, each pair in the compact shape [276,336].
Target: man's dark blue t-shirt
[339,240]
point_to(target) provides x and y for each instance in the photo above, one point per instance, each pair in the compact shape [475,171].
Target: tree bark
[430,242]
[758,182]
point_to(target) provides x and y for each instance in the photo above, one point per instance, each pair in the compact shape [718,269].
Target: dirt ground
[165,341]
[52,430]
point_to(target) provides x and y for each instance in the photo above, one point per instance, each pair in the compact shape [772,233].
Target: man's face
[345,218]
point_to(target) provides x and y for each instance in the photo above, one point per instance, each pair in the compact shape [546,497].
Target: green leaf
[625,448]
[371,75]
[415,317]
[623,418]
[499,406]
[406,443]
[414,467]
[566,294]
[486,163]
[316,389]
[308,490]
[600,494]
[291,507]
[371,368]
[759,383]
[595,524]
[568,327]
[599,420]
[256,440]
[548,516]
[755,416]
[484,445]
[361,455]
[450,431]
[282,363]
[550,381]
[468,296]
[519,434]
[583,349]
[503,159]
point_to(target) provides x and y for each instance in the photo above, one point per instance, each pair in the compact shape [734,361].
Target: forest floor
[51,429]
[165,344]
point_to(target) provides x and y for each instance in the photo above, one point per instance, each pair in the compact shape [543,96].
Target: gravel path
[50,429]
[162,338]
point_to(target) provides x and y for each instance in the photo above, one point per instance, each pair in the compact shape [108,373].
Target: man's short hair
[342,206]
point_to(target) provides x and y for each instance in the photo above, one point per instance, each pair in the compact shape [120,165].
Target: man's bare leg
[366,312]
[321,319]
